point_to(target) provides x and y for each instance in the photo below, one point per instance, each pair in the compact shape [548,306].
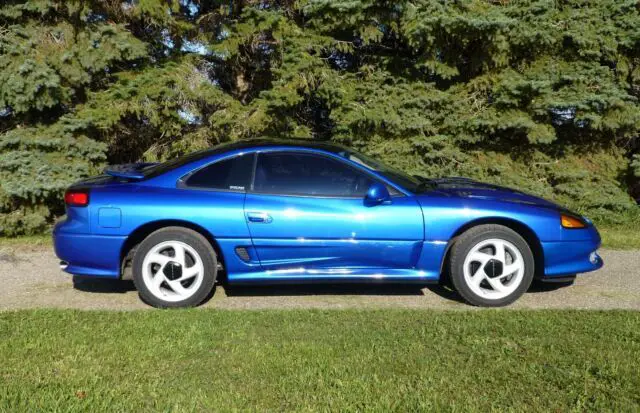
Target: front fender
[445,217]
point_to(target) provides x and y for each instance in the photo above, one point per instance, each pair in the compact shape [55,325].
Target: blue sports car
[265,211]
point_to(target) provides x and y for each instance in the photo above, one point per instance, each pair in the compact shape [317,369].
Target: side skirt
[334,275]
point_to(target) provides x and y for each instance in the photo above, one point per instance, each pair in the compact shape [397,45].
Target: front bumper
[571,257]
[91,255]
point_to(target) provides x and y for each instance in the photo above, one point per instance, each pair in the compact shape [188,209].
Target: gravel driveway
[31,279]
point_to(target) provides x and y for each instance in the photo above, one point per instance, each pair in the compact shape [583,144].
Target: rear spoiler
[129,170]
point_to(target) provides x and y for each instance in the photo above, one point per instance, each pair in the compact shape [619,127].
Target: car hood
[468,188]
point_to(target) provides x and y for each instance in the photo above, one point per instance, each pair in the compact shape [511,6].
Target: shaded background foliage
[537,94]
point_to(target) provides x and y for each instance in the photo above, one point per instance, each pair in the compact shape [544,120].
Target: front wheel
[491,266]
[174,267]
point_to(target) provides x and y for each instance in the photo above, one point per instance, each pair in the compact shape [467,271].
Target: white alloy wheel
[494,268]
[172,271]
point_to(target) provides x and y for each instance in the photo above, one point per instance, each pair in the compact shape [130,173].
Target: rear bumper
[571,257]
[91,255]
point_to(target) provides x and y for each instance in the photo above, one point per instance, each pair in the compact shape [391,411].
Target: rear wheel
[174,267]
[491,266]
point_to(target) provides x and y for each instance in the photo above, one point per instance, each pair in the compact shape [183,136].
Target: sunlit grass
[340,360]
[26,241]
[620,238]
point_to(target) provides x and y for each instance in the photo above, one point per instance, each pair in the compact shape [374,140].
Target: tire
[482,274]
[185,262]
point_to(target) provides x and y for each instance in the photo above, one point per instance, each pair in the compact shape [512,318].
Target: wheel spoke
[179,257]
[510,269]
[190,272]
[496,284]
[500,252]
[178,288]
[158,279]
[480,257]
[478,276]
[159,259]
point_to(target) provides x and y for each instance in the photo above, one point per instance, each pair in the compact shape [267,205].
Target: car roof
[245,144]
[269,142]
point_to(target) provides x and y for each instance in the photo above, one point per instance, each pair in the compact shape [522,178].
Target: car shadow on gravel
[102,285]
[322,289]
[448,293]
[110,286]
[343,289]
[538,286]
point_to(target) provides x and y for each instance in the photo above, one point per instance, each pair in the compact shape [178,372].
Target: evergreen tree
[537,94]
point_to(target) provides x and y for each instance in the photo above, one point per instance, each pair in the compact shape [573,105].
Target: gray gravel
[31,279]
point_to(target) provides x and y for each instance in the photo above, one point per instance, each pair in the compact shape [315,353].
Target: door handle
[259,217]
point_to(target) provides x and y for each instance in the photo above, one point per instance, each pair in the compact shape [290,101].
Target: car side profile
[270,211]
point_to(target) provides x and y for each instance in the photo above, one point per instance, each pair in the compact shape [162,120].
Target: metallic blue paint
[404,237]
[335,233]
[377,194]
[109,217]
[89,254]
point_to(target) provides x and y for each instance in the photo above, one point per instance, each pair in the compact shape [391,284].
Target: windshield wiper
[425,184]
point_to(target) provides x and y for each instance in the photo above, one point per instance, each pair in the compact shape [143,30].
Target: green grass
[43,240]
[309,360]
[620,238]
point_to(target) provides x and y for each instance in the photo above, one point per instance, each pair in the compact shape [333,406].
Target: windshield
[401,178]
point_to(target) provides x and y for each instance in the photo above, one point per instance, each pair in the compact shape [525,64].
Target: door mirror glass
[377,194]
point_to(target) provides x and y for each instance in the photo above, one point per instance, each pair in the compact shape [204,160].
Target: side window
[229,174]
[294,173]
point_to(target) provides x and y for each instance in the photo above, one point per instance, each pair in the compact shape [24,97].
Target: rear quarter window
[232,174]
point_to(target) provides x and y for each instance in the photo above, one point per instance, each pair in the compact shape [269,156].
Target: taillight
[76,198]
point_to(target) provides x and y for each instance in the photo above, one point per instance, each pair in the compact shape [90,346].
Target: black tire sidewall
[470,239]
[195,241]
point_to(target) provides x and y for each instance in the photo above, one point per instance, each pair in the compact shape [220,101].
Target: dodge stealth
[270,211]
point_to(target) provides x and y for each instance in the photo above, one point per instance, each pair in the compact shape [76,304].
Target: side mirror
[377,194]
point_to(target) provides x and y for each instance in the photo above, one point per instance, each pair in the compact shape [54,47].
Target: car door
[307,210]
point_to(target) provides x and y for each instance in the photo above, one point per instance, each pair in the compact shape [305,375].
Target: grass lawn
[620,238]
[27,241]
[319,360]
